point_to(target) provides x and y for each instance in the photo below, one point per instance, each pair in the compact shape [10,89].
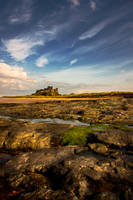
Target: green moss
[100,126]
[76,136]
[79,135]
[121,127]
[13,119]
[94,106]
[105,127]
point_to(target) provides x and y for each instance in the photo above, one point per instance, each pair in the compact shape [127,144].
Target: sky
[76,45]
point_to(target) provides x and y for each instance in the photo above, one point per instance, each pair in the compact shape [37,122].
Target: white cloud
[93,31]
[75,2]
[1,61]
[93,5]
[21,48]
[73,61]
[42,61]
[14,78]
[13,72]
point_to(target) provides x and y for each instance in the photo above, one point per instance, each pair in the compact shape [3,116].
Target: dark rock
[106,196]
[69,173]
[80,112]
[116,137]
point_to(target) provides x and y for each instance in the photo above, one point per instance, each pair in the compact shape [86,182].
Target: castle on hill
[49,91]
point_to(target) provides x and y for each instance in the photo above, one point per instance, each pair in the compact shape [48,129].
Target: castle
[49,91]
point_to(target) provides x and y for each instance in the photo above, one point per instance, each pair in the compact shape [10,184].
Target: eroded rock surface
[29,136]
[93,111]
[116,137]
[103,170]
[70,173]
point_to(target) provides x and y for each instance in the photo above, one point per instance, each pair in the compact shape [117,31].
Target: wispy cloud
[118,36]
[21,48]
[82,74]
[93,31]
[73,61]
[75,2]
[22,13]
[93,5]
[42,61]
[14,19]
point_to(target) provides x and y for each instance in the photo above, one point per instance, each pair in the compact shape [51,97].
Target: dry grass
[82,95]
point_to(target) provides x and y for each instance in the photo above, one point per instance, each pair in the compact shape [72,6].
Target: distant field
[34,100]
[77,96]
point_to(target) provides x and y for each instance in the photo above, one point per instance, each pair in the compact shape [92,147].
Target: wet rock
[106,111]
[20,135]
[69,173]
[27,140]
[99,148]
[106,196]
[116,137]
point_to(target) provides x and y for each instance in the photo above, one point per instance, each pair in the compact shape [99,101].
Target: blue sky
[76,45]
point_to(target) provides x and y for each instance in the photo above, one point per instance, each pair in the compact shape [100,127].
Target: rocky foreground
[35,166]
[113,110]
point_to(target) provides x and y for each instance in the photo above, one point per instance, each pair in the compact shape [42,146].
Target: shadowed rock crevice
[56,179]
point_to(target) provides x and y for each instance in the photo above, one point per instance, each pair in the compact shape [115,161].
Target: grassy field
[82,95]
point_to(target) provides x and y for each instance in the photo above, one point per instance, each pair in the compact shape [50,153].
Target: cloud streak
[22,13]
[93,5]
[73,61]
[94,30]
[42,61]
[75,2]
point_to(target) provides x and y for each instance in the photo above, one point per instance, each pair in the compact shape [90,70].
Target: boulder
[99,148]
